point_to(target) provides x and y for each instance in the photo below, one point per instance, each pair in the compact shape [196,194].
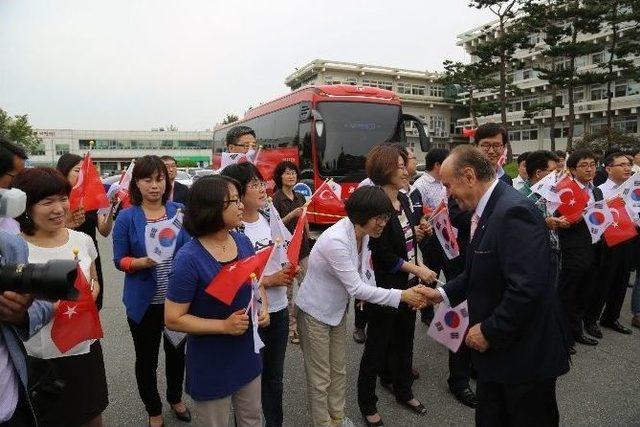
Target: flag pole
[315,192]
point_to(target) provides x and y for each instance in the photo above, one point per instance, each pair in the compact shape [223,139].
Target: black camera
[52,280]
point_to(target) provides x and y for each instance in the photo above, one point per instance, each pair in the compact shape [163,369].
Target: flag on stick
[88,193]
[598,218]
[446,234]
[623,227]
[160,237]
[449,325]
[255,306]
[293,251]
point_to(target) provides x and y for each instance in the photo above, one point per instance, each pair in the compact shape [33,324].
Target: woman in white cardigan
[340,268]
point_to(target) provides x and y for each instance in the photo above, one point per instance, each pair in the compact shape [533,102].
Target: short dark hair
[145,167]
[66,162]
[203,213]
[538,160]
[167,157]
[576,156]
[433,156]
[470,156]
[522,157]
[367,202]
[38,184]
[561,154]
[15,149]
[382,162]
[489,130]
[610,159]
[281,169]
[236,132]
[243,173]
[6,158]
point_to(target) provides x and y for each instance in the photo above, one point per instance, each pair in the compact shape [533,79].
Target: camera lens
[53,280]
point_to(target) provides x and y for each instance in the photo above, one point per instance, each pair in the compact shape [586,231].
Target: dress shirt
[590,186]
[608,188]
[337,272]
[431,190]
[482,203]
[366,182]
[518,182]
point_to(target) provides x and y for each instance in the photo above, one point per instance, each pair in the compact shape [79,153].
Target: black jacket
[509,286]
[180,192]
[388,250]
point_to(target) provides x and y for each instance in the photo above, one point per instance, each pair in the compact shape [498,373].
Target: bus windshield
[350,130]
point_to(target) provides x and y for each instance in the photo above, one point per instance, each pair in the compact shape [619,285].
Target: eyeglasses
[494,147]
[290,173]
[247,146]
[255,185]
[591,165]
[237,202]
[381,219]
[623,165]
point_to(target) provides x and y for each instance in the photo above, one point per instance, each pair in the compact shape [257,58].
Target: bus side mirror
[425,142]
[318,122]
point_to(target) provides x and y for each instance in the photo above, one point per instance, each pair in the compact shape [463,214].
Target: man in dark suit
[517,334]
[180,191]
[492,139]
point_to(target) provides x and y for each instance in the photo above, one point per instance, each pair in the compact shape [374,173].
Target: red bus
[329,130]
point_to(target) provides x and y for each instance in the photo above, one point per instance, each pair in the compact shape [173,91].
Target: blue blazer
[509,286]
[128,241]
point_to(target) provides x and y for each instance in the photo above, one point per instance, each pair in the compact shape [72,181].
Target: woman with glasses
[388,350]
[340,267]
[222,367]
[81,368]
[145,286]
[255,225]
[289,205]
[87,222]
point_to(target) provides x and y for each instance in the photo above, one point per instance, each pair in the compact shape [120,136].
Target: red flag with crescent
[573,199]
[623,227]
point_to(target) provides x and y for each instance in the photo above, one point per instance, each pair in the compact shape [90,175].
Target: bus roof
[335,93]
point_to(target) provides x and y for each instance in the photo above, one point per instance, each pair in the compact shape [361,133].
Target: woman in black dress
[86,222]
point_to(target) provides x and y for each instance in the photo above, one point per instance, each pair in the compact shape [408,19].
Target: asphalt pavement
[602,388]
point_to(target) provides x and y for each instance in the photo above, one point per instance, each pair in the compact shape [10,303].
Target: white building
[590,100]
[113,150]
[419,91]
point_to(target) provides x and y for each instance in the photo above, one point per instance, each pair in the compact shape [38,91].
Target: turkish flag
[76,321]
[267,160]
[293,251]
[88,193]
[225,285]
[573,199]
[623,227]
[469,133]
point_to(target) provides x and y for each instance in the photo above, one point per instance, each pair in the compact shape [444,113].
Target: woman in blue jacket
[145,286]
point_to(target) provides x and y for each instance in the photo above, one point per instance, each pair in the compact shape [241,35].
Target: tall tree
[18,129]
[472,78]
[501,45]
[621,20]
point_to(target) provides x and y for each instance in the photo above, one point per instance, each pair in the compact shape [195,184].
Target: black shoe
[593,329]
[617,326]
[418,409]
[359,336]
[585,340]
[572,350]
[372,424]
[466,396]
[184,415]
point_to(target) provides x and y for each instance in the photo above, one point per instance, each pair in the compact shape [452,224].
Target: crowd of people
[535,284]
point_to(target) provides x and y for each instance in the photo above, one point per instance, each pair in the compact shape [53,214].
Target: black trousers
[575,289]
[360,314]
[611,285]
[388,352]
[146,341]
[521,405]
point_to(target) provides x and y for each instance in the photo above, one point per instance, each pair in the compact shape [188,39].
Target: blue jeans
[275,337]
[635,296]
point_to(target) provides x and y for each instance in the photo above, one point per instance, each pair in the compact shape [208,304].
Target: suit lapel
[486,214]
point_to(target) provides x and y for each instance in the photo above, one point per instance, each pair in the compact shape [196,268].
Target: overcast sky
[138,64]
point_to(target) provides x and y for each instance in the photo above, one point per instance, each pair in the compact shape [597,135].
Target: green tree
[500,46]
[601,141]
[230,118]
[472,78]
[18,129]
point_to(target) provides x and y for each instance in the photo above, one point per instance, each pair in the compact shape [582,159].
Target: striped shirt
[162,272]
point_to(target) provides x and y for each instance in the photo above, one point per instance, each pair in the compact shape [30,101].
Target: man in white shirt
[518,181]
[12,161]
[636,161]
[615,266]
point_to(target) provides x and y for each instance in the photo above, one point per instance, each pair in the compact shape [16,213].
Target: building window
[529,134]
[578,95]
[418,90]
[626,124]
[514,135]
[598,92]
[382,84]
[61,149]
[436,91]
[438,125]
[38,151]
[597,58]
[351,81]
[527,74]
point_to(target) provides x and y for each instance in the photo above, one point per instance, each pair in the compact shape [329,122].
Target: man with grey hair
[517,334]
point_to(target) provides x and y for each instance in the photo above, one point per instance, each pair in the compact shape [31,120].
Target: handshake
[420,296]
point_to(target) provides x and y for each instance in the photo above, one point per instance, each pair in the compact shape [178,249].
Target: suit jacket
[506,179]
[180,192]
[578,253]
[389,251]
[510,290]
[128,241]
